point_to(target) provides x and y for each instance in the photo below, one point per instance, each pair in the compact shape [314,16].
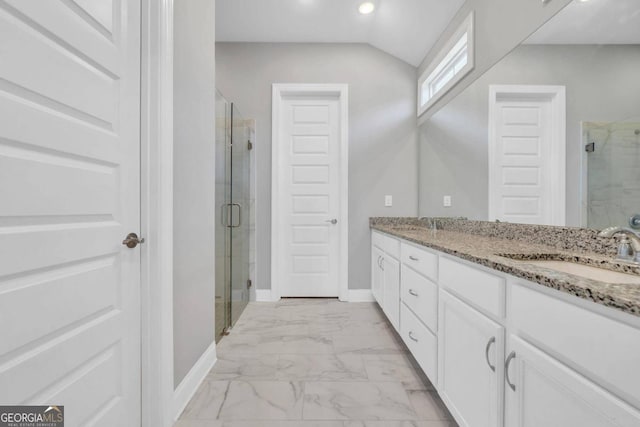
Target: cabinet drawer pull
[412,337]
[412,258]
[382,263]
[486,353]
[511,356]
[379,258]
[412,292]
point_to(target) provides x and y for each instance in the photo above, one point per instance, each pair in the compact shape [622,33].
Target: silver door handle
[412,292]
[412,258]
[512,356]
[382,263]
[412,337]
[332,221]
[486,353]
[132,240]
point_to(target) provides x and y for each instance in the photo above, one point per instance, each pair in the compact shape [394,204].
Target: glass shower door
[240,202]
[233,215]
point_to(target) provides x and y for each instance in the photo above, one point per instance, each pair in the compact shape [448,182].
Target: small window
[453,62]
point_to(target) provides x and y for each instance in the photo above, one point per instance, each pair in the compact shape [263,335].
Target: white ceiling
[592,22]
[406,29]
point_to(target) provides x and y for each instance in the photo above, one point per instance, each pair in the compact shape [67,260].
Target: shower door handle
[237,205]
[227,220]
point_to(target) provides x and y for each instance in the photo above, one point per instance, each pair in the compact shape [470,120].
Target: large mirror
[551,133]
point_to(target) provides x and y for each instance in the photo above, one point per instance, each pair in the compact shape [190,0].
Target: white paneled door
[526,155]
[69,194]
[309,196]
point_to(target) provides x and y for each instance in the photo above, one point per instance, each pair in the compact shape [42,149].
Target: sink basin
[586,271]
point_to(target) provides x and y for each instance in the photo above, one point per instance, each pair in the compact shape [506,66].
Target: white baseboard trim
[360,295]
[264,295]
[189,385]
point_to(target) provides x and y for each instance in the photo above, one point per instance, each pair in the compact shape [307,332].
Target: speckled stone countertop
[486,250]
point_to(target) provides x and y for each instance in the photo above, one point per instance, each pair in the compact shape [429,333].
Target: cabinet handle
[412,258]
[382,263]
[486,353]
[412,337]
[379,261]
[412,292]
[511,356]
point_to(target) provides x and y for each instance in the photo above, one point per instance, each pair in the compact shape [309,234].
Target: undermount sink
[586,271]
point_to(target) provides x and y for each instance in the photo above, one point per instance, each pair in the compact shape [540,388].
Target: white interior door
[309,215]
[69,194]
[526,156]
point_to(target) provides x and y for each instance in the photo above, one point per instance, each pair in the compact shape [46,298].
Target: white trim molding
[264,295]
[361,295]
[156,127]
[341,91]
[189,385]
[556,95]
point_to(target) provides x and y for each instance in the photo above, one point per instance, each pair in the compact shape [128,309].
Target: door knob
[332,221]
[132,240]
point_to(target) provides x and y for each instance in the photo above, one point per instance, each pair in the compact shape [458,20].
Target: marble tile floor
[314,363]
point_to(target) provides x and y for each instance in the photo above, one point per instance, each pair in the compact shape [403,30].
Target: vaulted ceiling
[406,29]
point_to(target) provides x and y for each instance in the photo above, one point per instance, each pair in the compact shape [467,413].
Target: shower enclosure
[612,173]
[234,141]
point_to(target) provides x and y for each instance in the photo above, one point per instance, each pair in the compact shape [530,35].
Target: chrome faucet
[629,248]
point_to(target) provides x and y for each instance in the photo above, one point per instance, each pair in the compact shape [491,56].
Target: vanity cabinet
[541,391]
[504,352]
[470,363]
[385,275]
[391,306]
[419,306]
[377,275]
[569,365]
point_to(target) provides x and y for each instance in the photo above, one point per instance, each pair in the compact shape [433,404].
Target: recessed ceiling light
[366,8]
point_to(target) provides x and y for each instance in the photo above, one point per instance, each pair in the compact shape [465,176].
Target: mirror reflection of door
[527,144]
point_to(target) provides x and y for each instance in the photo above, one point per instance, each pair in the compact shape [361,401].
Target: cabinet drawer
[421,260]
[604,349]
[390,245]
[421,342]
[485,290]
[421,296]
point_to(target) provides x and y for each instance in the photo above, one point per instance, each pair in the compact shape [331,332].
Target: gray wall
[382,130]
[602,85]
[194,137]
[500,25]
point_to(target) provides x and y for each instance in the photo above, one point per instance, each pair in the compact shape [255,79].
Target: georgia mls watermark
[31,416]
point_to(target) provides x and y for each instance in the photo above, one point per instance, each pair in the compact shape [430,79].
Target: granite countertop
[486,250]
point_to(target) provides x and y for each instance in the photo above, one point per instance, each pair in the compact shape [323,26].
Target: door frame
[156,282]
[279,91]
[557,96]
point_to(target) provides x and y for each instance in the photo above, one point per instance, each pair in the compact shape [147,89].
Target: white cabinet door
[377,276]
[391,305]
[470,368]
[544,392]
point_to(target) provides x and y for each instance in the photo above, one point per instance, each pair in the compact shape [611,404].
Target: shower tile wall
[613,172]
